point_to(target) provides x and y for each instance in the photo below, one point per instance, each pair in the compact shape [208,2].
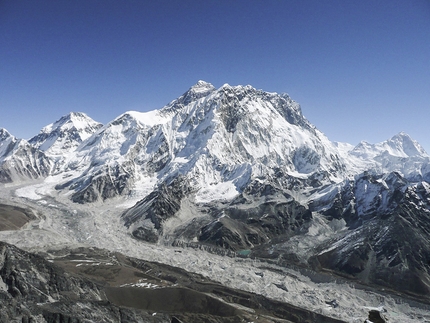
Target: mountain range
[242,171]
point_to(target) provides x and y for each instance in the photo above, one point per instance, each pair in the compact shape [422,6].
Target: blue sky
[359,69]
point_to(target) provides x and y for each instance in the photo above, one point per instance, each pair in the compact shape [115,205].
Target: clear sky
[359,69]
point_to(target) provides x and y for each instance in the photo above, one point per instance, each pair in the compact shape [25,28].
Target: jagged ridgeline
[241,169]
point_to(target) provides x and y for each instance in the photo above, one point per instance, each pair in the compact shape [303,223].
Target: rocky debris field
[92,285]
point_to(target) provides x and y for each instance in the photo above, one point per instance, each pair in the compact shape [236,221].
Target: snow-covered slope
[218,139]
[65,135]
[400,145]
[6,142]
[399,154]
[20,161]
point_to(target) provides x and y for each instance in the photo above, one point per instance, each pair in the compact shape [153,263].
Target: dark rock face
[161,156]
[259,214]
[233,99]
[29,280]
[158,206]
[232,110]
[388,242]
[101,186]
[376,317]
[262,212]
[35,290]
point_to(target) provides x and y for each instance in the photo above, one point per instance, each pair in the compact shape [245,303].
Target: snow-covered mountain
[65,135]
[400,153]
[241,169]
[400,145]
[19,160]
[223,138]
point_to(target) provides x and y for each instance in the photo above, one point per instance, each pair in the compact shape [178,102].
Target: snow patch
[220,191]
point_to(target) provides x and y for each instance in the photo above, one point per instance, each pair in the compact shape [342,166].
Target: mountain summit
[65,134]
[403,145]
[400,145]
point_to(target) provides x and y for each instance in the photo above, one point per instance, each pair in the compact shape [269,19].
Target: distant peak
[75,116]
[403,138]
[78,118]
[4,131]
[401,135]
[196,92]
[403,142]
[202,83]
[202,86]
[4,134]
[66,133]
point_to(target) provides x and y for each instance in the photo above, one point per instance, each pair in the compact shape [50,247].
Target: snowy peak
[65,134]
[4,134]
[200,90]
[365,150]
[7,143]
[403,145]
[78,120]
[19,160]
[202,87]
[400,145]
[398,154]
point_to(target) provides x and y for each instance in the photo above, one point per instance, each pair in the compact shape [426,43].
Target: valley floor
[60,224]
